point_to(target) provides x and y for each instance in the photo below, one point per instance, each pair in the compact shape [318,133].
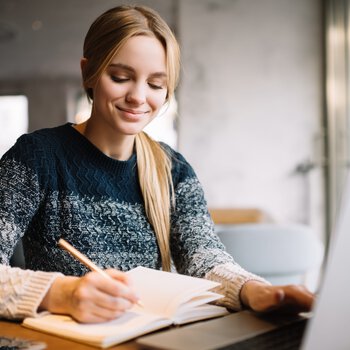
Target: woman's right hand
[91,298]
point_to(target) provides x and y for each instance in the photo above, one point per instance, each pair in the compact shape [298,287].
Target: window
[13,120]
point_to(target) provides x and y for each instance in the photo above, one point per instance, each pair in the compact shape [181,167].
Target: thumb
[279,296]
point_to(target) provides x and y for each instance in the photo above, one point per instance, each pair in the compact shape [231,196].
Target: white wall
[250,103]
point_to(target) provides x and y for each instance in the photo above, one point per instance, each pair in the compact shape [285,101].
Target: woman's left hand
[262,297]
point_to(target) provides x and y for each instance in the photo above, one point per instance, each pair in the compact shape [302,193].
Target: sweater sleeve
[196,249]
[20,193]
[21,291]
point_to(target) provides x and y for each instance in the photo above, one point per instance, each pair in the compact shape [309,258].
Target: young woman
[119,197]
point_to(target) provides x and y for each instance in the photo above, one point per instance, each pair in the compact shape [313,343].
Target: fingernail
[280,296]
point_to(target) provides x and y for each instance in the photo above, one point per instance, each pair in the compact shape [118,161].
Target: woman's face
[133,88]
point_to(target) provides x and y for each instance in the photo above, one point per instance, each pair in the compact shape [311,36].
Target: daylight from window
[13,120]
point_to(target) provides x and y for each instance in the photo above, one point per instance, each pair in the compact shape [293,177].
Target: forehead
[142,53]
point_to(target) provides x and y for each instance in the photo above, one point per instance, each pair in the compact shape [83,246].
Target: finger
[300,296]
[119,275]
[274,298]
[114,286]
[108,302]
[106,312]
[106,315]
[279,296]
[296,299]
[118,289]
[95,314]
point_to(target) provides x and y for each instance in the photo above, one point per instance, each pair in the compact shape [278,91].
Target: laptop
[326,328]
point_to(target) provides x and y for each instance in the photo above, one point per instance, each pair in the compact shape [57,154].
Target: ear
[83,63]
[88,89]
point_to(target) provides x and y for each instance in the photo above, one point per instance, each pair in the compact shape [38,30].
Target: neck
[114,146]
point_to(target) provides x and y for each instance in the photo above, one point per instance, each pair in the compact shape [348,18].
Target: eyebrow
[132,70]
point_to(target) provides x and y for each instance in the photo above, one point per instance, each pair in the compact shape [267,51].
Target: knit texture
[54,183]
[22,291]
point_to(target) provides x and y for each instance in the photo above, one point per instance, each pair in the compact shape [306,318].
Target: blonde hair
[107,34]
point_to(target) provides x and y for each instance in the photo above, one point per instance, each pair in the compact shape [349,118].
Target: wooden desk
[14,329]
[214,333]
[230,216]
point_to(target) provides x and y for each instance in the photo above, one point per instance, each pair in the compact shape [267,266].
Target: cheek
[113,91]
[158,100]
[108,90]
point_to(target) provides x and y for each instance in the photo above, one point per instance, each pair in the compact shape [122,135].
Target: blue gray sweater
[54,183]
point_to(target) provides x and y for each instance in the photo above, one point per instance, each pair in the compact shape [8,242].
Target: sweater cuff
[31,296]
[232,278]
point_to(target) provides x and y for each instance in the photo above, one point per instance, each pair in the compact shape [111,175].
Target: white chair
[281,253]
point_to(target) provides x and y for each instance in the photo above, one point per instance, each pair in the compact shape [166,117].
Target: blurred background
[261,112]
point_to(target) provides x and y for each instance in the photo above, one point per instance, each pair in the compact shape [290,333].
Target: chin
[134,129]
[132,132]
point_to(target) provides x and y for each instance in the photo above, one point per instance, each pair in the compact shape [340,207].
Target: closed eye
[155,86]
[119,79]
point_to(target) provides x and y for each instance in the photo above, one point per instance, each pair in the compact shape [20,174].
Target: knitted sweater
[54,183]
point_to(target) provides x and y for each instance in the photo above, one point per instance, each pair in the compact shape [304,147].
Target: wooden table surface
[14,329]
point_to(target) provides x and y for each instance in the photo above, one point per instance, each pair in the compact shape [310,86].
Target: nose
[136,94]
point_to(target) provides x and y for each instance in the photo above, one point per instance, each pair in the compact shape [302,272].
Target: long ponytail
[154,169]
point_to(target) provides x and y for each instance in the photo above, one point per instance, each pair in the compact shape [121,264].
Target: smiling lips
[132,112]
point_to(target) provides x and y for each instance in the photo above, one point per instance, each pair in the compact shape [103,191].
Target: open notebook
[167,298]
